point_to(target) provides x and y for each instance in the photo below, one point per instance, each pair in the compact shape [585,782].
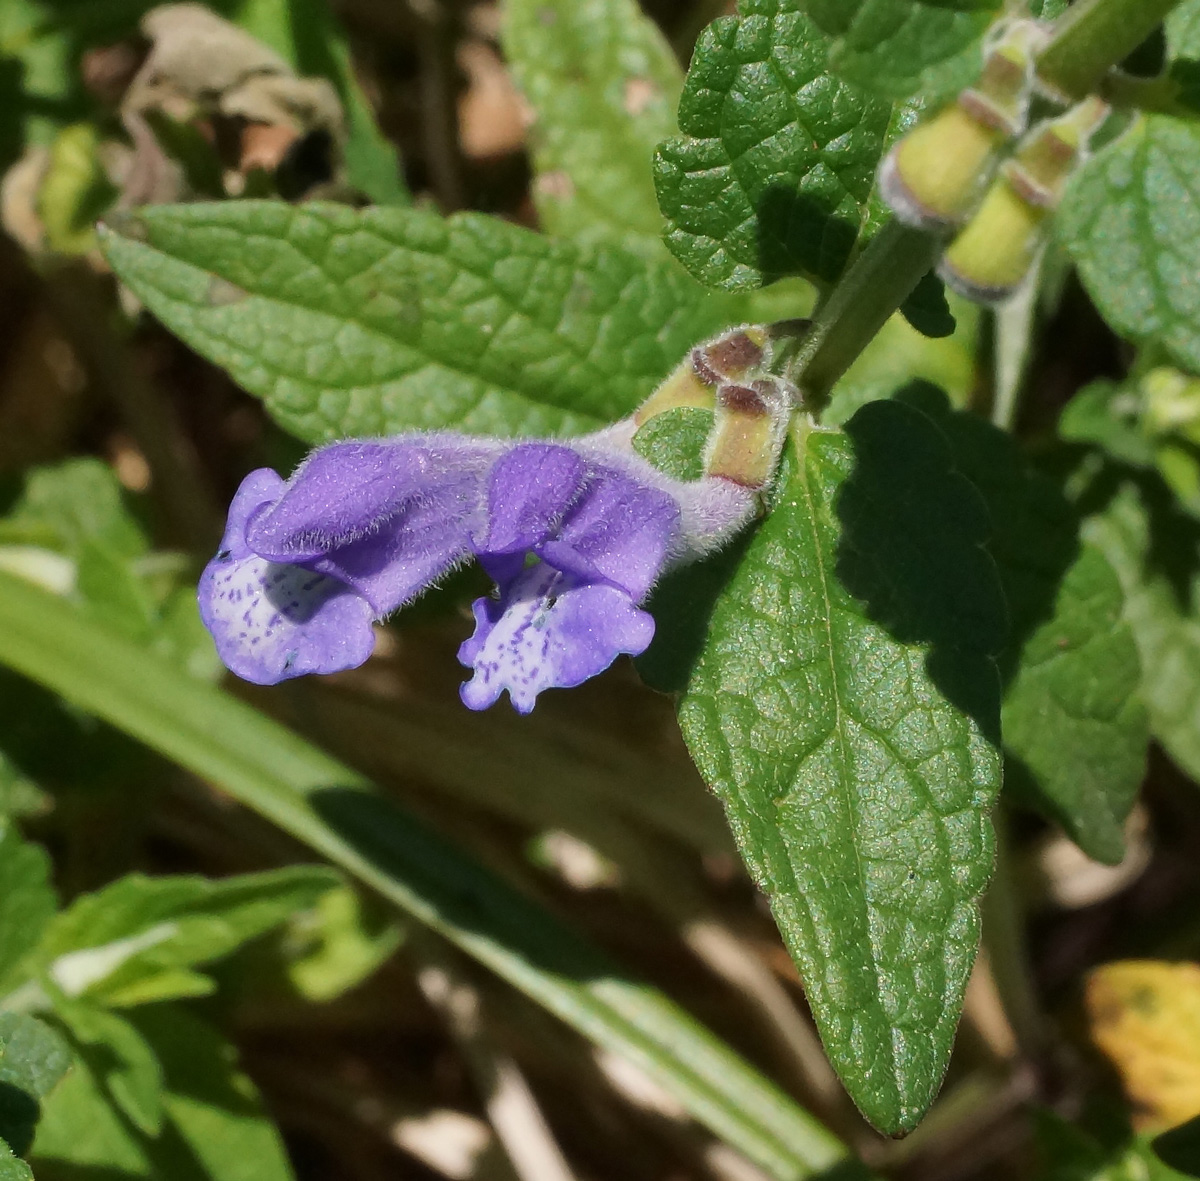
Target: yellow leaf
[1145,1015]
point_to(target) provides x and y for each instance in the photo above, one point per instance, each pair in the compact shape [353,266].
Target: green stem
[878,282]
[1004,937]
[1091,38]
[1095,35]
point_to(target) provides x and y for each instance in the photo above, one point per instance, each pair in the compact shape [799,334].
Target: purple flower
[574,534]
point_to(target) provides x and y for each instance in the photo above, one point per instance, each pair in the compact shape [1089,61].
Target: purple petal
[620,529]
[548,631]
[273,621]
[529,490]
[386,518]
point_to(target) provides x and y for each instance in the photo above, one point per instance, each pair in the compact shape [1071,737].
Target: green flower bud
[990,258]
[935,176]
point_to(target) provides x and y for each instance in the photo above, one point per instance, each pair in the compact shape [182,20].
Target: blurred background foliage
[260,1019]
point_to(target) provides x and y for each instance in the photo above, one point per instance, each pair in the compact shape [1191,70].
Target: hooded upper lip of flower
[574,533]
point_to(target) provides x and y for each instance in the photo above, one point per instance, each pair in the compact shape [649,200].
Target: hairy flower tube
[574,533]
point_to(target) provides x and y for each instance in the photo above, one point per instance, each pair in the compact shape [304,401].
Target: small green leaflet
[674,441]
[1075,729]
[210,1103]
[1131,221]
[139,939]
[845,708]
[603,84]
[1152,545]
[212,1124]
[384,320]
[773,173]
[27,901]
[35,1059]
[900,47]
[119,1056]
[13,1168]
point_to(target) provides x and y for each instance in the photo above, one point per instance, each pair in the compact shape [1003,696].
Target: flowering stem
[1088,41]
[877,283]
[1095,35]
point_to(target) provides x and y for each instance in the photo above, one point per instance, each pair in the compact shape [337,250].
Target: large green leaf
[603,84]
[1075,729]
[327,806]
[846,710]
[1131,221]
[378,321]
[773,173]
[1155,549]
[900,47]
[137,939]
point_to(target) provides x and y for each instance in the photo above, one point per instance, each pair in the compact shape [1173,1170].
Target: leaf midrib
[840,714]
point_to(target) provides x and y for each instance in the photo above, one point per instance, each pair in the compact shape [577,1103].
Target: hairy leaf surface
[1131,221]
[845,708]
[384,320]
[1154,549]
[898,46]
[773,173]
[603,84]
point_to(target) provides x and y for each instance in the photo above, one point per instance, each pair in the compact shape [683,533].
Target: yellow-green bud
[990,258]
[934,177]
[734,355]
[749,431]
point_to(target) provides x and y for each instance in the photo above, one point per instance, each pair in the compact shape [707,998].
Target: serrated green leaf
[603,85]
[326,805]
[383,320]
[674,441]
[35,1059]
[845,709]
[120,1057]
[1155,550]
[13,1168]
[901,47]
[1075,729]
[27,901]
[774,171]
[1131,221]
[130,941]
[1183,30]
[212,1105]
